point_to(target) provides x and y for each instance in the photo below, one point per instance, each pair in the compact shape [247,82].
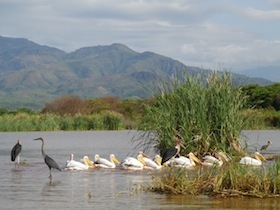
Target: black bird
[48,160]
[15,153]
[171,152]
[264,147]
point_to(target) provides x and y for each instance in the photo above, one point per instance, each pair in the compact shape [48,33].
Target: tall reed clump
[205,115]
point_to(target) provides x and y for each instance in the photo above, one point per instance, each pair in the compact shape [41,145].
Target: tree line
[263,97]
[130,111]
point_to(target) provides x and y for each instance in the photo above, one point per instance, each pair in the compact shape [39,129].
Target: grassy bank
[229,180]
[259,119]
[51,122]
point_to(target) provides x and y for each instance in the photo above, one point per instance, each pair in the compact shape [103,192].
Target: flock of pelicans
[171,158]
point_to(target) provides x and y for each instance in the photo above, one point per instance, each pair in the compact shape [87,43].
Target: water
[29,187]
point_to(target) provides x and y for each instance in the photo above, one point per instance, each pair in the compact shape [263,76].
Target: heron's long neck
[42,149]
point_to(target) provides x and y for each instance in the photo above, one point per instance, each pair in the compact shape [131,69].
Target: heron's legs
[50,174]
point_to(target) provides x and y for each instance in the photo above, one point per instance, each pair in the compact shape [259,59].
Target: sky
[217,34]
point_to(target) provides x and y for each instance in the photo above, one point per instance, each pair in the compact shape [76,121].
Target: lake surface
[28,186]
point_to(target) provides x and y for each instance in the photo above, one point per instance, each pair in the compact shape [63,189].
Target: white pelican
[253,161]
[149,164]
[170,153]
[224,156]
[158,159]
[184,161]
[210,160]
[87,161]
[104,163]
[131,163]
[75,165]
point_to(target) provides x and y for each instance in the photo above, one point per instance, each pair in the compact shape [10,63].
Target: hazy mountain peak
[32,74]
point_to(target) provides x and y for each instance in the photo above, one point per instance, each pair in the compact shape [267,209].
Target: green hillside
[32,74]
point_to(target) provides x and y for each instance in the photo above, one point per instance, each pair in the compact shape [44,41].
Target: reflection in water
[28,187]
[16,175]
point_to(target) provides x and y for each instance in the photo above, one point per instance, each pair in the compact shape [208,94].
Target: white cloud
[201,33]
[262,14]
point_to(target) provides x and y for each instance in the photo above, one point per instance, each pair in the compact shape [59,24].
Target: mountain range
[32,74]
[271,73]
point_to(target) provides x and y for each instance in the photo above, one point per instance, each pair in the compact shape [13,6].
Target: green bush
[111,120]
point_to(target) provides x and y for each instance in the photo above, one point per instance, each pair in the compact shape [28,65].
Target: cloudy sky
[217,34]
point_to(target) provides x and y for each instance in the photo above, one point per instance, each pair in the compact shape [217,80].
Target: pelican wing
[211,160]
[132,163]
[181,161]
[150,163]
[250,161]
[75,165]
[104,163]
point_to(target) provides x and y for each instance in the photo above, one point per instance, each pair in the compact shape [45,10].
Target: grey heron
[264,147]
[48,160]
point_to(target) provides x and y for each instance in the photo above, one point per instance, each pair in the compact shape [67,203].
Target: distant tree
[25,110]
[263,96]
[129,108]
[67,105]
[3,111]
[106,103]
[276,102]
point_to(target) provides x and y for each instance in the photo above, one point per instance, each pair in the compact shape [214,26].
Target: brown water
[28,187]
